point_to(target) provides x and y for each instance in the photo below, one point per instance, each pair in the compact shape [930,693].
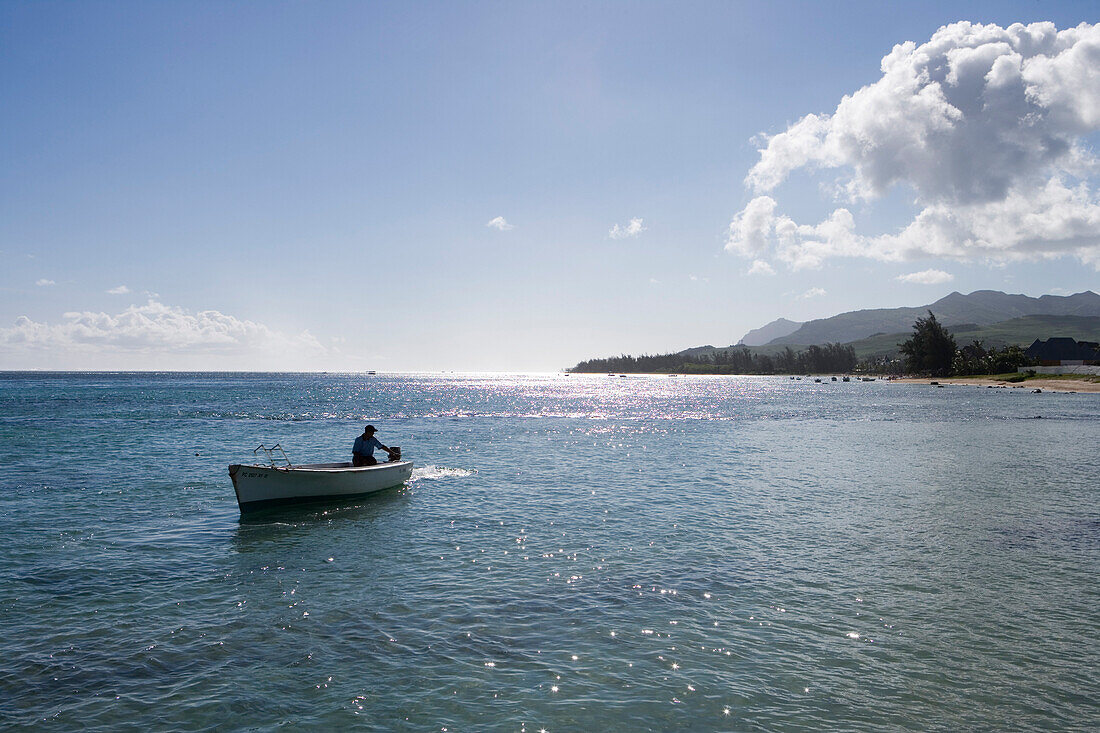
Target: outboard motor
[395,453]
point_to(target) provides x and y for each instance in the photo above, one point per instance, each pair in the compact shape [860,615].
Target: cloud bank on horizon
[986,126]
[156,336]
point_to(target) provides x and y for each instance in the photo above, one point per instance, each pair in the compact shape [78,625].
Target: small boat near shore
[267,486]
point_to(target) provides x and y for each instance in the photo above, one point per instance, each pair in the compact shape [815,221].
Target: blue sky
[311,186]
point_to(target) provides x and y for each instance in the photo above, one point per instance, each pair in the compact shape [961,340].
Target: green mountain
[1021,331]
[778,328]
[982,308]
[992,317]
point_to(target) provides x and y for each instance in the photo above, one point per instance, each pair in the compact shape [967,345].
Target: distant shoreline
[1061,384]
[1047,385]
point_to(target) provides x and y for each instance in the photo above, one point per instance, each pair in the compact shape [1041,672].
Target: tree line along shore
[929,351]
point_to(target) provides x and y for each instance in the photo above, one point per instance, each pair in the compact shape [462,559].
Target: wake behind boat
[266,486]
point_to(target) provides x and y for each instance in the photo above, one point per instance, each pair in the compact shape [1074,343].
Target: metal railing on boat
[270,453]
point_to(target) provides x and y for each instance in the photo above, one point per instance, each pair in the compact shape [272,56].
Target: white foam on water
[434,472]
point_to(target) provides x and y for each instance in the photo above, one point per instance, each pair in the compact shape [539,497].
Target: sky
[519,186]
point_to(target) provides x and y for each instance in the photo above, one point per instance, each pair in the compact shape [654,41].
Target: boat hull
[264,487]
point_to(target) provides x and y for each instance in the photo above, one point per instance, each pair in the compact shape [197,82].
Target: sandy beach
[1047,385]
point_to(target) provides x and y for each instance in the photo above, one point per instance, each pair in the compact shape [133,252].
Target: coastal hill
[778,328]
[982,307]
[994,318]
[1019,331]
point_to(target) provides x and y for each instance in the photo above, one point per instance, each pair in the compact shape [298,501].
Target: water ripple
[572,553]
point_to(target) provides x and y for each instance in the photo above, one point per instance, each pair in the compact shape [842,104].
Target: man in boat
[362,454]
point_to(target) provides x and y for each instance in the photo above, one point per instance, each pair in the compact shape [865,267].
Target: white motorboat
[266,486]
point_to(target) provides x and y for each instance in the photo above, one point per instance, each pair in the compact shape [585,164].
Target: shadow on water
[254,530]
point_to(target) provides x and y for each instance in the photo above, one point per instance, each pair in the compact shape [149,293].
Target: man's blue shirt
[365,447]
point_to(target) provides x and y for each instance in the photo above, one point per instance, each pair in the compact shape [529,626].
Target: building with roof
[1062,351]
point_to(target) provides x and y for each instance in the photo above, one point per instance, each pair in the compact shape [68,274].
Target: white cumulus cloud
[927,277]
[119,290]
[44,283]
[752,230]
[633,229]
[499,223]
[760,267]
[154,335]
[985,126]
[812,293]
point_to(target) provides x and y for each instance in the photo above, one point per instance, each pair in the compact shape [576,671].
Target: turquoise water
[573,553]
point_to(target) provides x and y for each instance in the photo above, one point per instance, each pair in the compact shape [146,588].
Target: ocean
[573,553]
